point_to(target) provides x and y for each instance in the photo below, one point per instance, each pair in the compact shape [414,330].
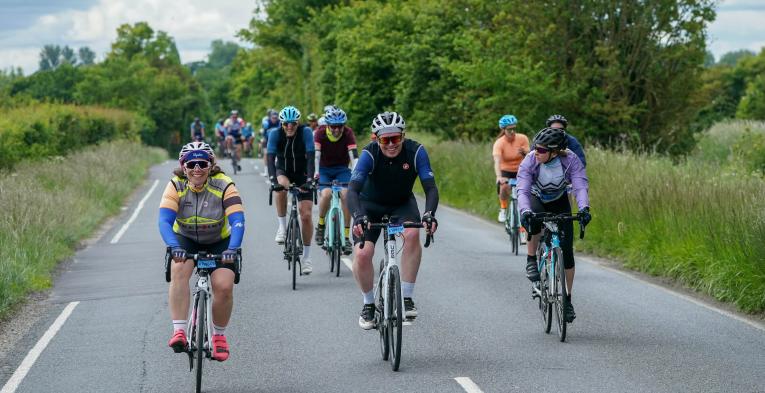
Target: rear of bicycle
[334,237]
[293,240]
[512,220]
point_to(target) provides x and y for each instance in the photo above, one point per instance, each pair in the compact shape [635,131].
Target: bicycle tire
[515,226]
[395,322]
[560,293]
[200,338]
[294,251]
[544,288]
[381,327]
[336,243]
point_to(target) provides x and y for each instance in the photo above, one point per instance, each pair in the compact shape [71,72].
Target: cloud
[192,23]
[737,27]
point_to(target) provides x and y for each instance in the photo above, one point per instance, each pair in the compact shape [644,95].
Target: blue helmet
[336,117]
[289,114]
[507,120]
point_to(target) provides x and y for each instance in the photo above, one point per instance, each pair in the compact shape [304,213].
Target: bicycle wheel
[544,288]
[560,292]
[395,317]
[515,226]
[294,233]
[200,337]
[379,307]
[336,243]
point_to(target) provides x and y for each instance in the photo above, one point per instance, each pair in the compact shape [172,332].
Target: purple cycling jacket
[572,169]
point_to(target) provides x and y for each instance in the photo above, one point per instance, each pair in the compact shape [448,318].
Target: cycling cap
[387,123]
[551,138]
[557,119]
[289,114]
[507,120]
[336,117]
[195,150]
[312,116]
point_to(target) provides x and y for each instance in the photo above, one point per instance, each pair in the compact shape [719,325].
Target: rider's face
[290,128]
[391,144]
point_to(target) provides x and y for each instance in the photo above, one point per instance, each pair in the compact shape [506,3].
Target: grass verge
[49,206]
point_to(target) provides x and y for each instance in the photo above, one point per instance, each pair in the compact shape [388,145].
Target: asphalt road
[477,321]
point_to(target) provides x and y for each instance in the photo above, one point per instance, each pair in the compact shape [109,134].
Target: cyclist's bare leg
[531,246]
[411,255]
[346,212]
[504,192]
[324,200]
[306,221]
[223,296]
[281,196]
[570,279]
[179,294]
[238,152]
[363,269]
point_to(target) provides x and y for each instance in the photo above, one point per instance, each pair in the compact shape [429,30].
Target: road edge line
[137,210]
[468,385]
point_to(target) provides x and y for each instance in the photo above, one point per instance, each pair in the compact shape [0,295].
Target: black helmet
[557,119]
[551,138]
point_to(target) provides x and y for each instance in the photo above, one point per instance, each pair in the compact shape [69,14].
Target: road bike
[334,236]
[200,316]
[293,240]
[551,290]
[512,221]
[389,299]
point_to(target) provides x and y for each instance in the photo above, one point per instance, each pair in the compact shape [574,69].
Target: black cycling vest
[392,179]
[291,153]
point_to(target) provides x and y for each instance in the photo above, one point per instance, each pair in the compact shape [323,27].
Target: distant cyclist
[220,132]
[558,121]
[313,121]
[291,161]
[543,178]
[381,184]
[234,139]
[271,120]
[201,210]
[508,151]
[247,135]
[335,150]
[197,129]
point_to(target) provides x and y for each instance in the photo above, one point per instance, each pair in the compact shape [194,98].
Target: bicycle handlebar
[217,257]
[556,218]
[292,188]
[382,225]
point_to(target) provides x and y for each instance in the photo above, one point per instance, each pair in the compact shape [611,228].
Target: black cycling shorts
[506,174]
[298,179]
[406,212]
[558,206]
[218,247]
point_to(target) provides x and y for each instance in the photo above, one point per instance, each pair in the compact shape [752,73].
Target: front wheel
[560,293]
[380,317]
[395,317]
[200,337]
[336,243]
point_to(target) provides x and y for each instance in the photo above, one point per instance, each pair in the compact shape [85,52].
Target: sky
[27,25]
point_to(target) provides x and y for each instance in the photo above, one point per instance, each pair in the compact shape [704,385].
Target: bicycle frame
[203,288]
[335,206]
[390,231]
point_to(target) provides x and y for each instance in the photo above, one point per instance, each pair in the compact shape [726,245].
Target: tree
[68,56]
[140,40]
[709,59]
[50,57]
[86,55]
[732,58]
[222,54]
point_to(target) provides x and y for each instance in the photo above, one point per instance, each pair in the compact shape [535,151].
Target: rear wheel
[396,317]
[515,226]
[560,293]
[336,243]
[200,338]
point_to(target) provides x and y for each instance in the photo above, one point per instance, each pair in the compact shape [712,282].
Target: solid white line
[468,385]
[33,354]
[138,208]
[347,262]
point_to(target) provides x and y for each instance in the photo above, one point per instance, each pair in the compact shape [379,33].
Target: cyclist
[247,136]
[197,129]
[335,149]
[381,184]
[313,121]
[220,131]
[508,151]
[558,121]
[291,161]
[201,210]
[542,187]
[271,120]
[234,138]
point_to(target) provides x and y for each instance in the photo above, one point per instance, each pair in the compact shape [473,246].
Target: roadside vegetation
[50,205]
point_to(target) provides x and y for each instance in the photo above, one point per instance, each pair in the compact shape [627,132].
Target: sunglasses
[290,123]
[509,129]
[542,150]
[336,128]
[394,139]
[194,164]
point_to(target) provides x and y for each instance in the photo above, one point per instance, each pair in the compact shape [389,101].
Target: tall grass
[692,221]
[49,206]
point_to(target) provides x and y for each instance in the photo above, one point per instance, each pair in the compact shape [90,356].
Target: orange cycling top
[509,156]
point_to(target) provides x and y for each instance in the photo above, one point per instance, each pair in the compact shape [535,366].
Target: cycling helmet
[328,108]
[312,117]
[234,112]
[289,114]
[336,117]
[557,119]
[387,123]
[323,121]
[507,120]
[551,138]
[271,111]
[196,150]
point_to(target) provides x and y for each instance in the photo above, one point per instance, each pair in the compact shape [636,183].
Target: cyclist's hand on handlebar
[429,223]
[585,216]
[360,224]
[308,186]
[501,180]
[526,220]
[179,254]
[228,256]
[275,186]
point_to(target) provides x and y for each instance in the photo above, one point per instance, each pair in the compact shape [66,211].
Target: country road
[107,323]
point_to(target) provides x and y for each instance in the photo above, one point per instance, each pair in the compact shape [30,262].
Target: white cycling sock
[306,251]
[407,288]
[179,324]
[369,297]
[219,330]
[282,222]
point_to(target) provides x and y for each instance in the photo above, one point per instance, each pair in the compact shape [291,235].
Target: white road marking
[347,262]
[26,364]
[132,218]
[407,323]
[468,385]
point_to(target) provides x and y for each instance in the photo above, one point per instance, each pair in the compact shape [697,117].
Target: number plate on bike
[394,229]
[206,264]
[337,188]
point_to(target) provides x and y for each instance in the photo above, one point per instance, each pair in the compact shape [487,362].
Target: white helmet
[196,146]
[322,121]
[388,122]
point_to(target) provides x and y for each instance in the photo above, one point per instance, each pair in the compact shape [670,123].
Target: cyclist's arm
[168,209]
[271,154]
[232,204]
[358,178]
[310,152]
[496,152]
[576,147]
[427,179]
[317,148]
[352,148]
[579,182]
[523,185]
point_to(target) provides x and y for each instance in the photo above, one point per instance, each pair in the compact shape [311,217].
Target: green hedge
[43,130]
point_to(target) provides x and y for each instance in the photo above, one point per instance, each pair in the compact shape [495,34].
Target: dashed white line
[347,262]
[26,364]
[468,385]
[132,218]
